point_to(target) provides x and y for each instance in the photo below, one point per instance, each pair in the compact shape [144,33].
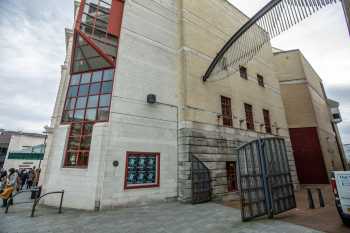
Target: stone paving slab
[161,218]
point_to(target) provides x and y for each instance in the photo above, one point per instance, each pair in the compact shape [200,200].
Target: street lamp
[45,132]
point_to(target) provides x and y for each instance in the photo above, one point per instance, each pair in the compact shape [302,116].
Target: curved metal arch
[273,19]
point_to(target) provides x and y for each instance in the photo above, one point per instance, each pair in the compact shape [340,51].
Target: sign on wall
[142,170]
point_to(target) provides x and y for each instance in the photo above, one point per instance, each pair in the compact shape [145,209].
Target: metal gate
[201,187]
[265,180]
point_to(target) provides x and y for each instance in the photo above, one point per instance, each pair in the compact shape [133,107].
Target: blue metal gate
[265,181]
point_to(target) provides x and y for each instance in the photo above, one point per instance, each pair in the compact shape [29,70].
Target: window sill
[142,187]
[75,168]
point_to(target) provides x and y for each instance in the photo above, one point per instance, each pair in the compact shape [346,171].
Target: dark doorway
[231,176]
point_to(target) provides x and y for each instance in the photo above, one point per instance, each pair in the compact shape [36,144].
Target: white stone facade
[146,64]
[154,58]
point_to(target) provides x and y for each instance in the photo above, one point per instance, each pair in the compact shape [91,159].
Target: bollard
[320,198]
[310,199]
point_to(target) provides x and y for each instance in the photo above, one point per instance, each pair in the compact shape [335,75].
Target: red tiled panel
[115,22]
[308,156]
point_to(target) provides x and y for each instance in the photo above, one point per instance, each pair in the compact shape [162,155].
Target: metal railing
[37,198]
[10,200]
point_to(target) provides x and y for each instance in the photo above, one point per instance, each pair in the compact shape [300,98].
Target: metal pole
[60,208]
[310,199]
[320,198]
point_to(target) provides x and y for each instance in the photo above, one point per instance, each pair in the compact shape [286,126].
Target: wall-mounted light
[151,98]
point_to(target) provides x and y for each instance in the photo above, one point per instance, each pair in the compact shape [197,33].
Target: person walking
[18,181]
[30,179]
[11,184]
[24,177]
[3,180]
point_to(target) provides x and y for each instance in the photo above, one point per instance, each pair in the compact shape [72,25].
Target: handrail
[37,199]
[16,194]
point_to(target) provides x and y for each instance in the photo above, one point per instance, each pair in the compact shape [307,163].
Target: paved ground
[322,219]
[161,218]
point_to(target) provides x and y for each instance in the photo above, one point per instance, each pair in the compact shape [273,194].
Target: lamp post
[45,132]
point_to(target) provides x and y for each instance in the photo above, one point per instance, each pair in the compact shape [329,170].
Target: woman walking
[10,186]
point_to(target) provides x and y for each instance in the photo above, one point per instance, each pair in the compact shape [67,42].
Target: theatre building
[312,119]
[132,109]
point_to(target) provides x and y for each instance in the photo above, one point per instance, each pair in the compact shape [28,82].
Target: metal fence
[264,176]
[201,182]
[36,197]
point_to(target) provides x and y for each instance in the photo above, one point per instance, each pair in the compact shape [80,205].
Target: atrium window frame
[68,111]
[75,150]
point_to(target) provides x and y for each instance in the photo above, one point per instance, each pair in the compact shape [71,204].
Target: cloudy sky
[32,49]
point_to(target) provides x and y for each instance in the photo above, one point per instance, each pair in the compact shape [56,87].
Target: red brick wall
[308,156]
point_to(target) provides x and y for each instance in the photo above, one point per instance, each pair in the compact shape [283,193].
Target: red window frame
[267,121]
[142,154]
[243,72]
[99,94]
[226,110]
[79,151]
[76,147]
[249,116]
[260,80]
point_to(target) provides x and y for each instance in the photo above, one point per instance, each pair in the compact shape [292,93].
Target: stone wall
[215,145]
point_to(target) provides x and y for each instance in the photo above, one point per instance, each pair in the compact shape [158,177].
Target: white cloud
[32,50]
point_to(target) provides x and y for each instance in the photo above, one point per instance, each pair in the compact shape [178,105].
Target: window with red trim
[89,93]
[78,147]
[249,116]
[267,120]
[226,111]
[89,97]
[142,170]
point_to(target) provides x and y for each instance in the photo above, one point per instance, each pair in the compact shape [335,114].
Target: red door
[308,156]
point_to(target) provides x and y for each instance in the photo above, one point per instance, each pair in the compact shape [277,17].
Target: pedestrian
[24,177]
[10,186]
[3,179]
[30,179]
[18,181]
